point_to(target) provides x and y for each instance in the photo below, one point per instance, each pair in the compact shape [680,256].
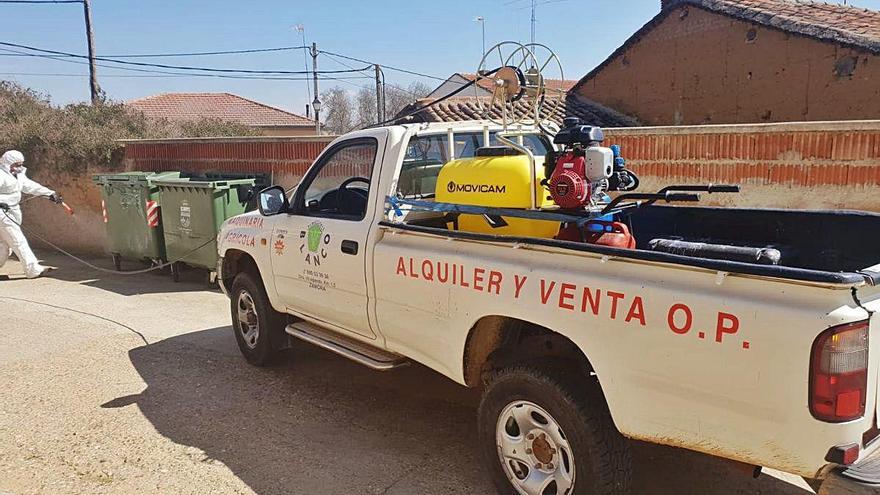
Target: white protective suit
[11,236]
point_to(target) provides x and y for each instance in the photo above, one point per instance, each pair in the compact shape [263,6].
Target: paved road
[134,385]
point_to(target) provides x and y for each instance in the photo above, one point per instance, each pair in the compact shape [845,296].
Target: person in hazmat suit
[14,182]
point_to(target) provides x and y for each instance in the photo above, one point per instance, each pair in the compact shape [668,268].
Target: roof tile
[223,106]
[457,109]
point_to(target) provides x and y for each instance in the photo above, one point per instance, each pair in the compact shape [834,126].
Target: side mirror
[273,201]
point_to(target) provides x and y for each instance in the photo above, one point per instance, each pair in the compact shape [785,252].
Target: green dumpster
[193,209]
[131,211]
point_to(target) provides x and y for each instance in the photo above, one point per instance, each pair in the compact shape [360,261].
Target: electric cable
[389,67]
[170,73]
[395,86]
[176,67]
[41,1]
[202,54]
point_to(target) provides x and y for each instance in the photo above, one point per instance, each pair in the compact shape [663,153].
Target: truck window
[339,186]
[426,155]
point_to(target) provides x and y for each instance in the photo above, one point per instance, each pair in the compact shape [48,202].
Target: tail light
[839,373]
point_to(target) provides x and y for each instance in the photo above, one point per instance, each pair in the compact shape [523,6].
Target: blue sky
[438,38]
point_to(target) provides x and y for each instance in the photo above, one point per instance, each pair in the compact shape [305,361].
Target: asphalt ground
[134,384]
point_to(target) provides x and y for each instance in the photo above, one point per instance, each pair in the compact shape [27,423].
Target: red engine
[568,185]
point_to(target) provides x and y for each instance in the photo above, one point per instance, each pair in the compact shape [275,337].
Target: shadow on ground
[320,424]
[157,281]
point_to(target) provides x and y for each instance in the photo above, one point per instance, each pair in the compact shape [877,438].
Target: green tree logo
[314,233]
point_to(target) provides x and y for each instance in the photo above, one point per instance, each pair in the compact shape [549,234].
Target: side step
[365,354]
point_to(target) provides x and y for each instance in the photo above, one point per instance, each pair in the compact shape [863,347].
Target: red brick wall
[794,165]
[698,67]
[284,158]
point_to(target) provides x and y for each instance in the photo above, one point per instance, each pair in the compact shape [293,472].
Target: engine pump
[584,171]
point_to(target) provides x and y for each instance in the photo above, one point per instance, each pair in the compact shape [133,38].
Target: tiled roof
[457,109]
[555,84]
[847,25]
[223,106]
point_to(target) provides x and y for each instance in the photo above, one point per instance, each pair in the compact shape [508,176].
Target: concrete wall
[791,165]
[699,67]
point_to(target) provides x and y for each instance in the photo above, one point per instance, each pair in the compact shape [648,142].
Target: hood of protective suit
[10,158]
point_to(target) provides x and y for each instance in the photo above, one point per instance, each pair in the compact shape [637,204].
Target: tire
[261,347]
[588,456]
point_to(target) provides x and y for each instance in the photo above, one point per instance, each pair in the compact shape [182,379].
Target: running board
[358,352]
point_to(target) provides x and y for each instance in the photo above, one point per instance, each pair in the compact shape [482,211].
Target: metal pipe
[450,143]
[533,193]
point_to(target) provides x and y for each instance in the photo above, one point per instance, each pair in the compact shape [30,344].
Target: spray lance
[55,198]
[58,200]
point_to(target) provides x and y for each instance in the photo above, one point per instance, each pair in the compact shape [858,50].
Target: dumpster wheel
[117,261]
[175,272]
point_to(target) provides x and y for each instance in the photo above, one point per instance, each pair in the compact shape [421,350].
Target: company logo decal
[315,242]
[185,215]
[279,245]
[476,188]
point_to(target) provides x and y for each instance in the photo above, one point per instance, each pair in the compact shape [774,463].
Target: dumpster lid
[203,183]
[135,177]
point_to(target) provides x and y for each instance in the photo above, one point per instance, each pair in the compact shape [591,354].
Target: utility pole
[380,96]
[533,21]
[316,103]
[482,21]
[90,36]
[301,29]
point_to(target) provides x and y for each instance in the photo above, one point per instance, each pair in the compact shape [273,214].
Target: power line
[149,71]
[41,1]
[395,86]
[333,57]
[200,54]
[176,67]
[254,78]
[397,69]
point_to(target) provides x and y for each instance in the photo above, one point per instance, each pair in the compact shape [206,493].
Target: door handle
[349,247]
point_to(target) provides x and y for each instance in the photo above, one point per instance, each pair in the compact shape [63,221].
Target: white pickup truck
[575,346]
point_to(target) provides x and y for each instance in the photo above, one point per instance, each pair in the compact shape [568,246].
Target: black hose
[98,268]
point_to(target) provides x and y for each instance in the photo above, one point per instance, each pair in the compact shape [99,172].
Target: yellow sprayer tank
[499,181]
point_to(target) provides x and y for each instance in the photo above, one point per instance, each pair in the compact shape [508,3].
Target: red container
[614,234]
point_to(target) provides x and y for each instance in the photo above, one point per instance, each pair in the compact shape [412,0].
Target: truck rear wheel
[258,328]
[542,434]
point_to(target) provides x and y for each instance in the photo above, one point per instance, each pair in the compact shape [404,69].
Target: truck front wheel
[258,328]
[546,433]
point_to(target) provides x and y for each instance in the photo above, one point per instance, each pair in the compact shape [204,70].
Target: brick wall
[792,165]
[283,158]
[697,67]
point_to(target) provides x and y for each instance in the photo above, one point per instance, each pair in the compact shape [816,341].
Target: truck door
[319,249]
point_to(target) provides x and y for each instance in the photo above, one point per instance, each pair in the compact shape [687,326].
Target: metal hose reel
[516,76]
